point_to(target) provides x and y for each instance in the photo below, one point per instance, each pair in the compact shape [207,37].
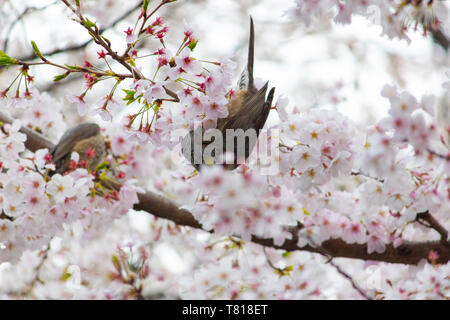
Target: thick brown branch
[440,38]
[433,223]
[34,141]
[159,206]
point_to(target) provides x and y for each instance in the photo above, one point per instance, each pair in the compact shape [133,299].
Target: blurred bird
[86,140]
[247,109]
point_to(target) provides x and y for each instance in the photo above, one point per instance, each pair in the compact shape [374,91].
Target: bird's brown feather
[247,109]
[233,107]
[71,137]
[79,139]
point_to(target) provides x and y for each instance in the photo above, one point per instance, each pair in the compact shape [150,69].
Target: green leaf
[103,165]
[193,44]
[65,276]
[6,60]
[60,77]
[36,50]
[129,97]
[130,93]
[76,68]
[77,2]
[145,4]
[88,23]
[116,262]
[306,212]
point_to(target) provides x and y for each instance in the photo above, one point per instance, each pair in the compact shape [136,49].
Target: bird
[83,138]
[248,108]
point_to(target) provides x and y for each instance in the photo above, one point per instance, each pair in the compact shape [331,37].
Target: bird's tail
[251,53]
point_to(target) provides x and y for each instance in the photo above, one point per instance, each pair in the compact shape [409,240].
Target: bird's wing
[243,80]
[253,113]
[71,137]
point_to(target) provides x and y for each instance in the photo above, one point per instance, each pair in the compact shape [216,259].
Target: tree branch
[34,141]
[352,281]
[440,38]
[19,17]
[76,47]
[433,223]
[159,206]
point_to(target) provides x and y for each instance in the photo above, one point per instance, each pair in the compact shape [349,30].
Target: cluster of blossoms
[254,273]
[201,94]
[117,265]
[296,276]
[319,149]
[36,114]
[411,122]
[37,206]
[316,146]
[395,17]
[424,282]
[156,29]
[400,152]
[244,204]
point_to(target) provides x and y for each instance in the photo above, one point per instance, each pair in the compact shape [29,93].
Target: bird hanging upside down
[86,140]
[247,109]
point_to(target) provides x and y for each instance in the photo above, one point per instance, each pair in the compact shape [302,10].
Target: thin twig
[442,156]
[37,270]
[141,30]
[20,17]
[352,281]
[358,173]
[100,40]
[84,44]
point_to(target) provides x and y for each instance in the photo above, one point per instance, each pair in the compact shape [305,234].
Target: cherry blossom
[189,64]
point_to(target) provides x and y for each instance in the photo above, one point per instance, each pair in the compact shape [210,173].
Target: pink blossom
[185,61]
[375,244]
[214,110]
[155,91]
[303,158]
[79,102]
[131,37]
[61,187]
[36,203]
[354,233]
[14,192]
[140,86]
